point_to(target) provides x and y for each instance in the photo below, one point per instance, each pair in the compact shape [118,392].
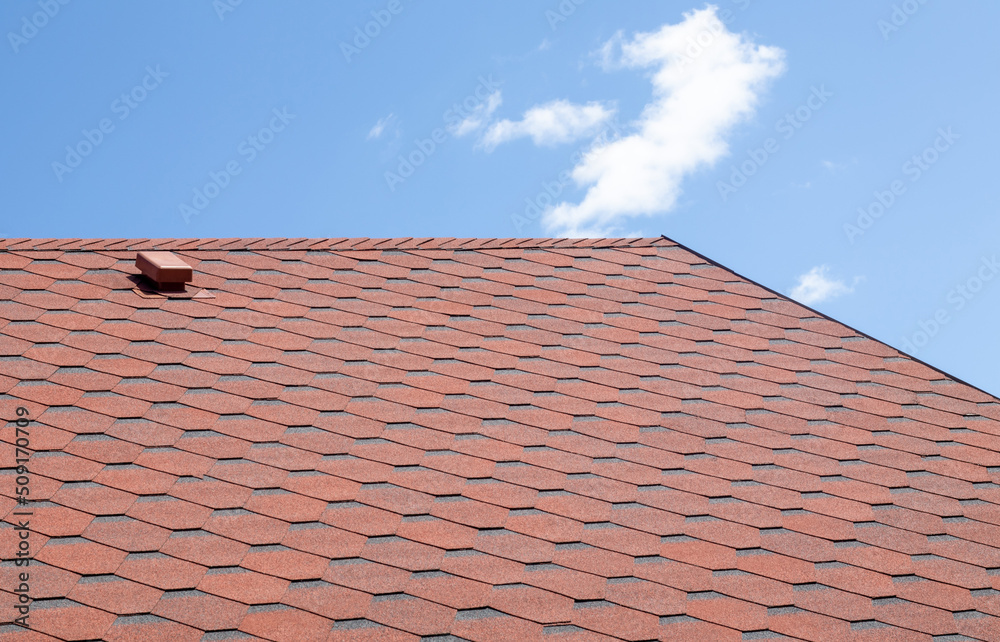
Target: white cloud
[479,116]
[552,123]
[542,47]
[835,167]
[379,128]
[793,187]
[705,79]
[815,286]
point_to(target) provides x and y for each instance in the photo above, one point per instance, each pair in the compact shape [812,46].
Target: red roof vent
[165,269]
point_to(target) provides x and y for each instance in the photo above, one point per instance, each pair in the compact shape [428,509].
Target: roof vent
[165,269]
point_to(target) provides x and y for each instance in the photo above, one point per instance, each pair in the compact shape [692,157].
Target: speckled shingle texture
[457,439]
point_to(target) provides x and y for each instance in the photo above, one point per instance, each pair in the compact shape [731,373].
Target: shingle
[449,439]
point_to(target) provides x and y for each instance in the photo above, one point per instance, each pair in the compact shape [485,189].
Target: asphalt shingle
[459,439]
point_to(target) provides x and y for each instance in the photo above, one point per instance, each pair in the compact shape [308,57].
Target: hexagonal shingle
[442,439]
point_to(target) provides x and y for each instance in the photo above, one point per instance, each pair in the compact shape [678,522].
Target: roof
[411,439]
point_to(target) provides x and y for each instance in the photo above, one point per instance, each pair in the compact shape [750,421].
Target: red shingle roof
[462,439]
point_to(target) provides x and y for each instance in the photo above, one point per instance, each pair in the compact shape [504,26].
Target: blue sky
[753,132]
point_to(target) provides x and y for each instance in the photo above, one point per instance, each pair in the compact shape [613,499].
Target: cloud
[552,123]
[706,80]
[815,287]
[542,47]
[479,116]
[379,128]
[793,187]
[835,167]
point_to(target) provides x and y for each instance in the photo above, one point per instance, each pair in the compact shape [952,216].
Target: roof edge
[331,244]
[785,297]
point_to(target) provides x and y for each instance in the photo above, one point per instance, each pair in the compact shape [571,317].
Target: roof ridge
[334,244]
